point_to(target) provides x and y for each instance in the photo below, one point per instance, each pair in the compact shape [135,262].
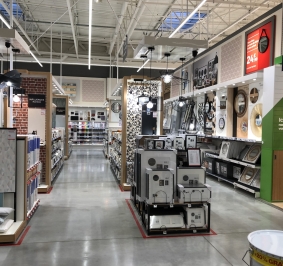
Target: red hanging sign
[259,47]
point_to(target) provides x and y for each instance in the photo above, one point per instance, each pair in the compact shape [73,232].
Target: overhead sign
[36,101]
[260,46]
[60,111]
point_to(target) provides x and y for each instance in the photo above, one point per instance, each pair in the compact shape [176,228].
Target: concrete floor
[85,221]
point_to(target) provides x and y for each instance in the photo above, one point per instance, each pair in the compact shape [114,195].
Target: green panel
[267,126]
[278,60]
[278,126]
[266,174]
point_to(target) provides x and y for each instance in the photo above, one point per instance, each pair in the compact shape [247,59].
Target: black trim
[263,16]
[235,114]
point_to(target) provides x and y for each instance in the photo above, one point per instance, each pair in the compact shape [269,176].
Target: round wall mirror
[258,120]
[263,42]
[221,123]
[116,107]
[207,107]
[254,95]
[240,103]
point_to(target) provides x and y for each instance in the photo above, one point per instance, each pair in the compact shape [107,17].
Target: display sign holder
[259,46]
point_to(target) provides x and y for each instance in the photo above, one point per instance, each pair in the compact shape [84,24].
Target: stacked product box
[33,149]
[32,192]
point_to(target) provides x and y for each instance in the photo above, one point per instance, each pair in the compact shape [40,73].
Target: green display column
[272,128]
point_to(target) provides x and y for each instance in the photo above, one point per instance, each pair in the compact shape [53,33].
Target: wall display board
[205,72]
[8,159]
[70,89]
[259,52]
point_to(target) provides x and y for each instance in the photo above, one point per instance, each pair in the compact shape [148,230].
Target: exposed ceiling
[66,22]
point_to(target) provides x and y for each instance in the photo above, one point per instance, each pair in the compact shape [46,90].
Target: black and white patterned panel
[201,114]
[134,113]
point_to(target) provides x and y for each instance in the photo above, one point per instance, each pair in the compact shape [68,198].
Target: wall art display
[237,171]
[256,120]
[248,175]
[252,154]
[8,138]
[205,71]
[70,89]
[254,94]
[116,107]
[259,52]
[223,105]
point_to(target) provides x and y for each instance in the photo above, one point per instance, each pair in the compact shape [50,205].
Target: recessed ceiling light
[234,84]
[254,79]
[243,81]
[211,90]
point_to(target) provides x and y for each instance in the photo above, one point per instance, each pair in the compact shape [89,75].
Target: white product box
[194,193]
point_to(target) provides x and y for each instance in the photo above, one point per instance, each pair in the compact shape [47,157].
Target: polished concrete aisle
[86,221]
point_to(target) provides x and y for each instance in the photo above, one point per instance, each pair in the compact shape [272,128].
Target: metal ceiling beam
[72,26]
[19,26]
[236,22]
[134,21]
[86,25]
[117,29]
[48,46]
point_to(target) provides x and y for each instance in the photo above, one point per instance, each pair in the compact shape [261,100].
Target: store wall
[231,52]
[89,91]
[20,115]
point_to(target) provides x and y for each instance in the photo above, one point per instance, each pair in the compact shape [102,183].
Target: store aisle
[86,221]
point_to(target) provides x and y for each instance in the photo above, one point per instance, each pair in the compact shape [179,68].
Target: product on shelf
[193,193]
[179,143]
[189,176]
[248,175]
[159,185]
[154,159]
[196,217]
[166,221]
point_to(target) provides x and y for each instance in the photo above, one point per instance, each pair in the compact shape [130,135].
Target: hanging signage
[259,42]
[36,101]
[60,111]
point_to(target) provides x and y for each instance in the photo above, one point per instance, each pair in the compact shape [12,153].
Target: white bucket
[266,248]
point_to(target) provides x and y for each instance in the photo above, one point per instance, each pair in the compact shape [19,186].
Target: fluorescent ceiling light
[143,65]
[89,33]
[35,58]
[187,18]
[5,22]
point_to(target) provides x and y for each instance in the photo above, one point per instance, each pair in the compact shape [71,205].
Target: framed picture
[194,157]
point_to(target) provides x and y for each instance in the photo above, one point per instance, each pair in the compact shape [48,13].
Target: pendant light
[142,99]
[167,78]
[150,104]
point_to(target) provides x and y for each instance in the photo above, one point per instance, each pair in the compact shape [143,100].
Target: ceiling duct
[176,47]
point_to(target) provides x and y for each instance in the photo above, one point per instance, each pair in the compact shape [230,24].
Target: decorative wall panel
[8,160]
[93,91]
[134,113]
[231,60]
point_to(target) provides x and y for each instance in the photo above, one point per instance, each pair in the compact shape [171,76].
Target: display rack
[115,154]
[25,196]
[86,132]
[106,143]
[57,152]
